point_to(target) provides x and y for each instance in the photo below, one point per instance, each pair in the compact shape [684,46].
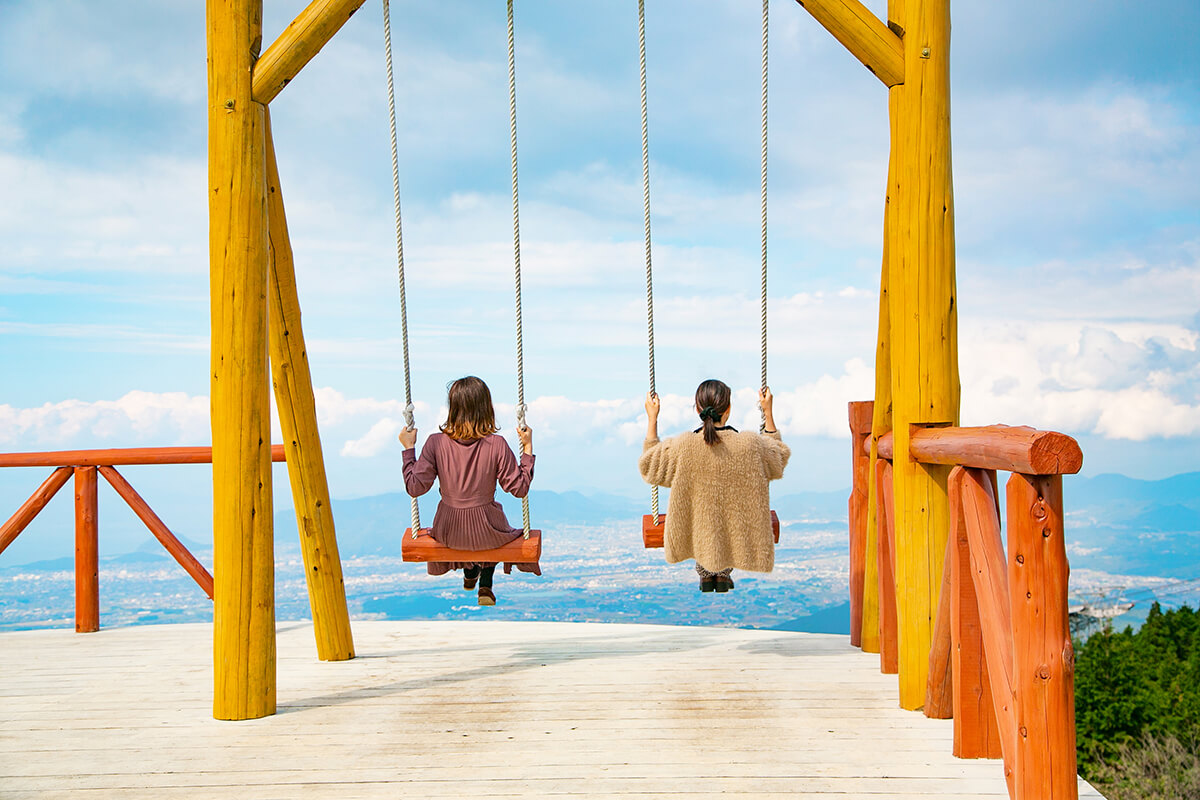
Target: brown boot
[486,596]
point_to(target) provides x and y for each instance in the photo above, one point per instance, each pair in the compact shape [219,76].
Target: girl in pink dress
[469,460]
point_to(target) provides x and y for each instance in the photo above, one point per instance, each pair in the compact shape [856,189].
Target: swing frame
[250,262]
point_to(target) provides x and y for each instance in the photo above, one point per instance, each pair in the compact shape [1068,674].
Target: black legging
[484,574]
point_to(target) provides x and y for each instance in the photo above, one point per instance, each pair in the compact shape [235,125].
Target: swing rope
[762,426]
[391,89]
[512,128]
[646,217]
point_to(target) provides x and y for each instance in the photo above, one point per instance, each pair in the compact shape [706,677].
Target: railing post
[860,428]
[87,552]
[1043,657]
[889,646]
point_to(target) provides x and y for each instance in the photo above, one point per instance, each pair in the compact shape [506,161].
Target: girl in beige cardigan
[719,511]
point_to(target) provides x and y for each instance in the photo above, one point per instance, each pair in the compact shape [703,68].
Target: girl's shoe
[708,584]
[470,577]
[723,583]
[486,596]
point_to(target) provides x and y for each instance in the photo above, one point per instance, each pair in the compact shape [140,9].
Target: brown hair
[471,413]
[712,398]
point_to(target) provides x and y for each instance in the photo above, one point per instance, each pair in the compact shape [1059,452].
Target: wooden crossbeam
[867,39]
[297,45]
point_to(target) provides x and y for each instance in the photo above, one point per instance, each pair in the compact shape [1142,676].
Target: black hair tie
[708,412]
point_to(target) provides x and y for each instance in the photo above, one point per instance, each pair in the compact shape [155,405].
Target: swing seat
[426,548]
[652,535]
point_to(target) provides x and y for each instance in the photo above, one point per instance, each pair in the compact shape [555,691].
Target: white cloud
[374,441]
[135,418]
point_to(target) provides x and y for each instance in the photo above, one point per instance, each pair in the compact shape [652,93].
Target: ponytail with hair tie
[712,398]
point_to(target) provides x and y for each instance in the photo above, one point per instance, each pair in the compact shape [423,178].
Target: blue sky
[1076,128]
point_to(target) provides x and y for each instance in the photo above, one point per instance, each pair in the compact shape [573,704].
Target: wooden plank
[87,552]
[924,337]
[1043,656]
[975,732]
[161,532]
[861,32]
[243,540]
[297,407]
[611,711]
[121,456]
[298,44]
[860,414]
[24,515]
[1012,449]
[425,548]
[652,532]
[889,646]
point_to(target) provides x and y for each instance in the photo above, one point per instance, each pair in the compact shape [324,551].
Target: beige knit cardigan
[719,512]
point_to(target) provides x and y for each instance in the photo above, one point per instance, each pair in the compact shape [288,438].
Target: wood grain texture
[1043,657]
[87,552]
[923,319]
[142,509]
[294,398]
[298,44]
[860,414]
[481,708]
[863,34]
[976,734]
[939,690]
[652,532]
[243,540]
[981,518]
[1009,448]
[889,646]
[24,515]
[121,456]
[425,548]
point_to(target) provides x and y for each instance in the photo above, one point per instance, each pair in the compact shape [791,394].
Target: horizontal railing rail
[1001,661]
[86,466]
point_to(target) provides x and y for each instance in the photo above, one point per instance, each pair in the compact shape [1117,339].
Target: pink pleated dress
[468,516]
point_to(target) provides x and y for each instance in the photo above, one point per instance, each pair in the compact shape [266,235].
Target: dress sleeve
[658,462]
[419,474]
[514,477]
[775,455]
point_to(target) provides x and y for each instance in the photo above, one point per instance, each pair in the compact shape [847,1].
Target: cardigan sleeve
[419,474]
[658,462]
[775,455]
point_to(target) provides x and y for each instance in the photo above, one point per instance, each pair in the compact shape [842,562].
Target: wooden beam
[869,40]
[146,514]
[298,44]
[989,572]
[1043,656]
[939,687]
[860,431]
[87,552]
[243,540]
[924,327]
[976,734]
[120,456]
[889,648]
[1012,449]
[24,515]
[298,420]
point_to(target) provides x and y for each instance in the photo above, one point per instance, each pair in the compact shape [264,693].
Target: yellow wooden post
[881,419]
[301,439]
[923,322]
[243,549]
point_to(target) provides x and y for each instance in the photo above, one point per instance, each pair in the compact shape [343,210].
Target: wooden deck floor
[473,710]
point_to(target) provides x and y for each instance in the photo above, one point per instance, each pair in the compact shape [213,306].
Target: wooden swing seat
[652,535]
[426,548]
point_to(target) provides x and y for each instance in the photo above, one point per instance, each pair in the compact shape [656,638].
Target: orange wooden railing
[85,466]
[1001,663]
